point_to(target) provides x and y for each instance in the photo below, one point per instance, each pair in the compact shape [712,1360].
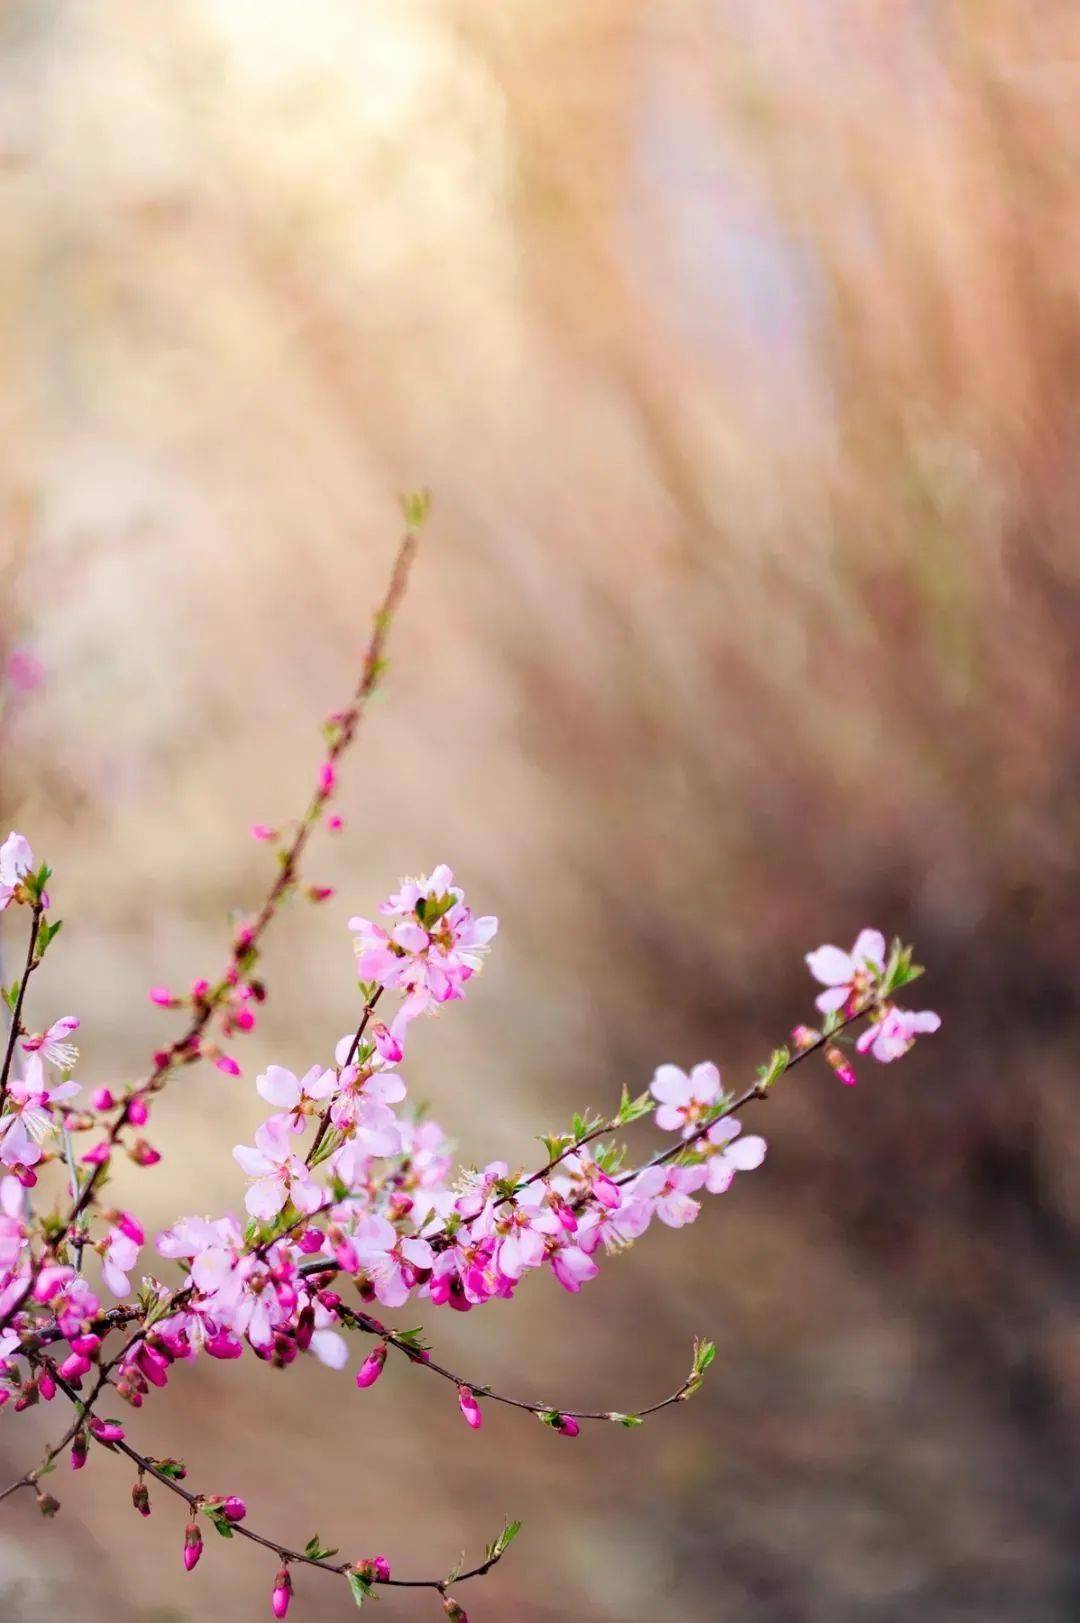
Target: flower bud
[138,1113]
[565,1425]
[457,1613]
[470,1409]
[192,1546]
[388,1046]
[47,1504]
[234,1508]
[282,1596]
[107,1431]
[841,1065]
[46,1386]
[79,1450]
[372,1367]
[140,1497]
[102,1099]
[163,997]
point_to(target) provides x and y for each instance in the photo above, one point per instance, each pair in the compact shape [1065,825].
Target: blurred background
[739,346]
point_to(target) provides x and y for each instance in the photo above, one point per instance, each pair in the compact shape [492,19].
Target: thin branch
[15,1029]
[186,1047]
[147,1466]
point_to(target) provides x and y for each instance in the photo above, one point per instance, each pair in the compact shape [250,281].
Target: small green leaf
[632,1109]
[628,1420]
[416,505]
[779,1061]
[359,1587]
[316,1550]
[500,1545]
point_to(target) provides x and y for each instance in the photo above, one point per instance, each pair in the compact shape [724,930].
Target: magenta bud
[372,1367]
[227,1065]
[387,1044]
[138,1113]
[469,1407]
[234,1508]
[47,1386]
[107,1431]
[79,1451]
[101,1099]
[305,1328]
[282,1596]
[566,1425]
[162,997]
[74,1367]
[193,1546]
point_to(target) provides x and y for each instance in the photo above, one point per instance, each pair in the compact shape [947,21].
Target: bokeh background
[739,346]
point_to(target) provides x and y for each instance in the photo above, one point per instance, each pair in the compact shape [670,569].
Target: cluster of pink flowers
[345,1185]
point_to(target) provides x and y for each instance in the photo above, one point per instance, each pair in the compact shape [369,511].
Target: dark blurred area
[738,345]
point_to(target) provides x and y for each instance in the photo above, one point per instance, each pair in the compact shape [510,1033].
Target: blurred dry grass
[739,345]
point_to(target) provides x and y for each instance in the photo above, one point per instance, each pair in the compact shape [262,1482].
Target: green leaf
[359,1587]
[632,1109]
[500,1545]
[628,1420]
[316,1550]
[704,1353]
[779,1061]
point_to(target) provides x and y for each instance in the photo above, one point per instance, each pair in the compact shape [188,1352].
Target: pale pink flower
[30,1119]
[296,1097]
[684,1099]
[16,861]
[849,976]
[54,1044]
[668,1189]
[725,1157]
[890,1037]
[12,1228]
[389,1261]
[280,1175]
[571,1264]
[432,947]
[121,1253]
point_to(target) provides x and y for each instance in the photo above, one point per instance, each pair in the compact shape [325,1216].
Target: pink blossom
[25,1127]
[432,947]
[297,1098]
[668,1189]
[121,1253]
[572,1265]
[53,1045]
[890,1037]
[16,861]
[684,1099]
[725,1157]
[280,1175]
[262,831]
[388,1261]
[849,976]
